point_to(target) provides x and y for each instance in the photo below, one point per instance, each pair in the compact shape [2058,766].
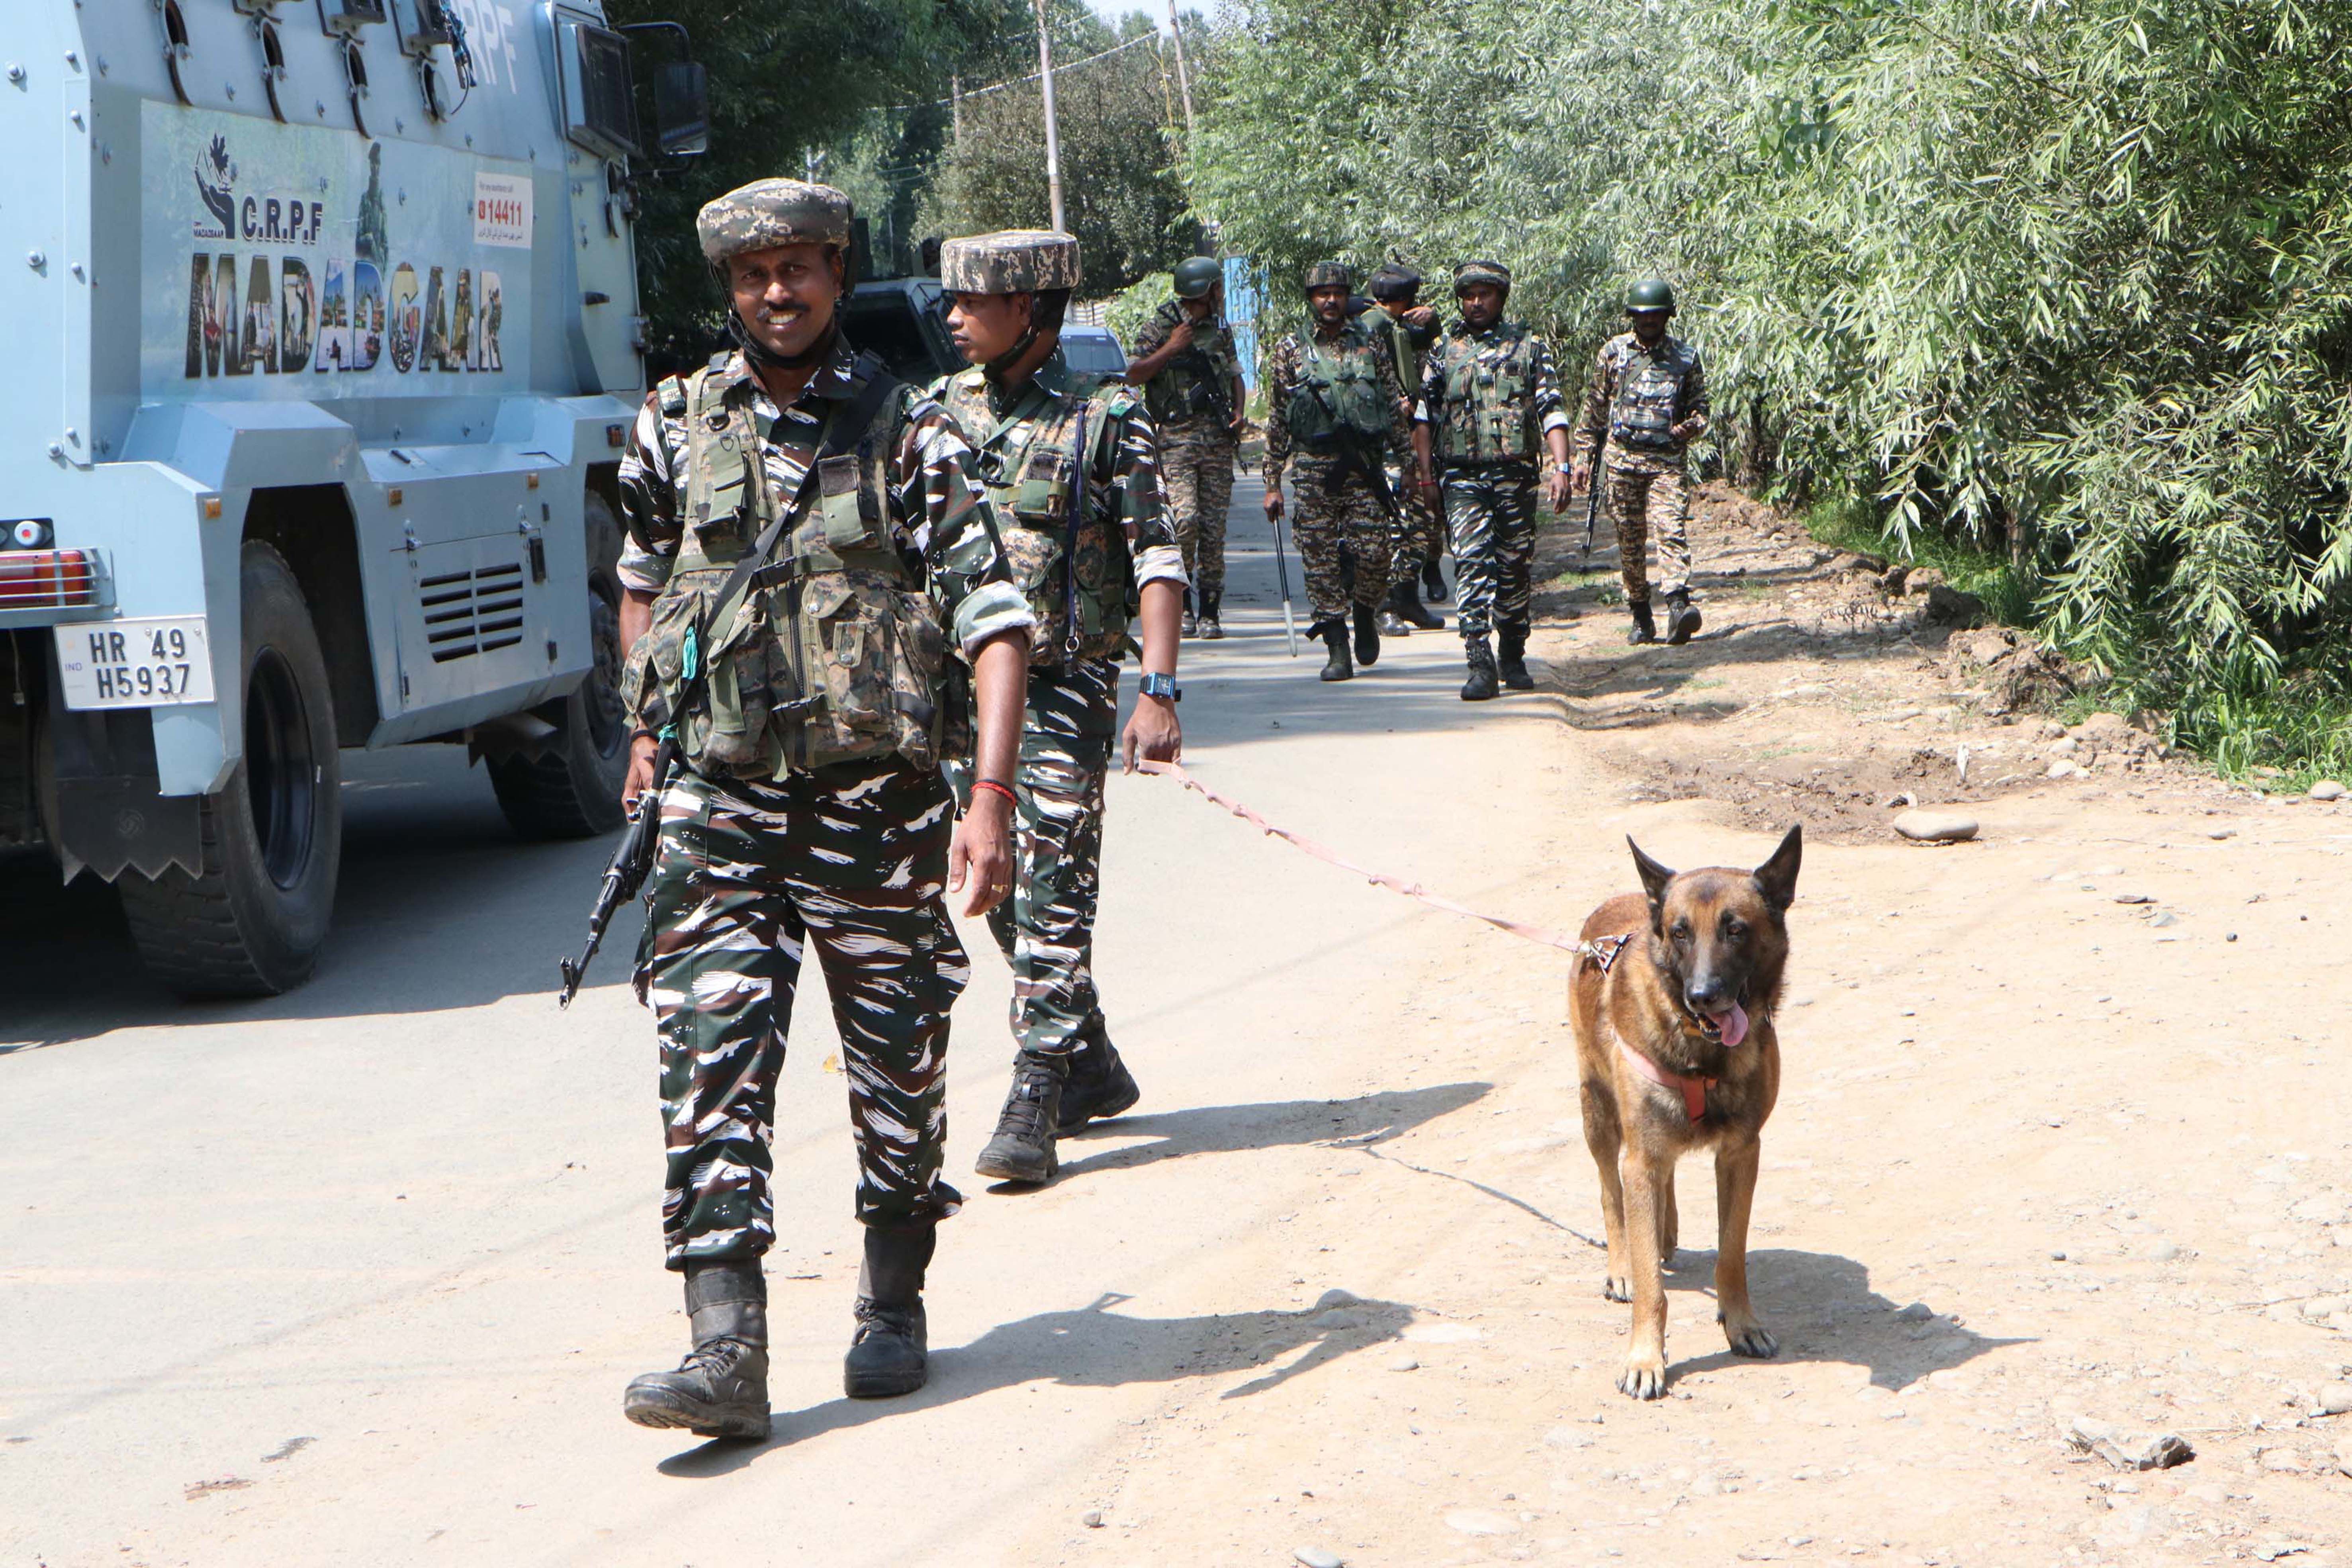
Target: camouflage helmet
[1197,275]
[1492,273]
[1651,294]
[1010,261]
[767,214]
[1327,275]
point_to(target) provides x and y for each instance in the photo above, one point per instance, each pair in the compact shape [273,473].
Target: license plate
[158,662]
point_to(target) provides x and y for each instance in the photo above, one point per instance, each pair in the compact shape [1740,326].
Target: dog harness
[1694,1090]
[1603,952]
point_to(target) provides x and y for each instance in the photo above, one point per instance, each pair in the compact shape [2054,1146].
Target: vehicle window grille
[474,612]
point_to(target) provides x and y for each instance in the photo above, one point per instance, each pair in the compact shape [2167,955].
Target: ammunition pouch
[831,651]
[1648,404]
[1487,414]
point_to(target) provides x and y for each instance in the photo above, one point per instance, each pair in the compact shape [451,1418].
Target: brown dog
[1675,1050]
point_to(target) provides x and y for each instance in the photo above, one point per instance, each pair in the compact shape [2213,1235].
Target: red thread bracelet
[1010,799]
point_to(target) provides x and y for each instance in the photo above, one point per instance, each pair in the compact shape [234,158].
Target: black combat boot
[720,1389]
[890,1351]
[1512,657]
[1334,633]
[1099,1087]
[1645,629]
[1432,582]
[1211,628]
[1404,602]
[1191,617]
[1481,686]
[1367,636]
[1682,619]
[1023,1149]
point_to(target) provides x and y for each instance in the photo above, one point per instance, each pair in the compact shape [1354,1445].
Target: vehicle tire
[572,787]
[254,922]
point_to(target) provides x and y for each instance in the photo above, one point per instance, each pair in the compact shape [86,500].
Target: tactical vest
[1649,394]
[1189,386]
[1487,413]
[836,652]
[1338,393]
[1029,460]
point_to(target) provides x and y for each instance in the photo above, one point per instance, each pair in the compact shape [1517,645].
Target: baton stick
[1282,572]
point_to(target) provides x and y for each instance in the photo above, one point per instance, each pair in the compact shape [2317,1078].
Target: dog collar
[1694,1090]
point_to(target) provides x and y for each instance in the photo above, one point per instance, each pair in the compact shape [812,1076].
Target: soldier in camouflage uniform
[1408,327]
[809,808]
[1074,482]
[1647,401]
[1332,397]
[1490,406]
[1191,381]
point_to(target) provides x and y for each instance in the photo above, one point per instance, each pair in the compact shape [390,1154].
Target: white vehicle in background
[324,345]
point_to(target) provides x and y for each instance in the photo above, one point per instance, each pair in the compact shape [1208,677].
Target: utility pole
[1167,91]
[1053,134]
[1183,80]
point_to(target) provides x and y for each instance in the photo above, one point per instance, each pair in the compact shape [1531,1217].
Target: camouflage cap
[767,214]
[1327,275]
[1010,261]
[1489,272]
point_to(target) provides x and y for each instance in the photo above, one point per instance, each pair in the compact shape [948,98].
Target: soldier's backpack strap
[844,426]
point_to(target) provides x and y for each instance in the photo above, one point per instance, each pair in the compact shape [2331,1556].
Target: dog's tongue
[1734,1025]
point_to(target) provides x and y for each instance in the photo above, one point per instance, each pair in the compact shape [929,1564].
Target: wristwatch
[1155,684]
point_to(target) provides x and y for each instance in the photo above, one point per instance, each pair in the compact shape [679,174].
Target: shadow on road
[1094,1347]
[439,906]
[1364,1120]
[1821,1308]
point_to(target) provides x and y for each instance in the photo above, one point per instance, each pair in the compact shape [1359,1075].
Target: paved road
[357,1274]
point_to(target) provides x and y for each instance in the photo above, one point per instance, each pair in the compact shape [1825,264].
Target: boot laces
[1025,1108]
[873,1318]
[716,1357]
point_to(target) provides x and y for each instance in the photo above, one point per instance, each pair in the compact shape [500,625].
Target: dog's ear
[1655,878]
[1777,876]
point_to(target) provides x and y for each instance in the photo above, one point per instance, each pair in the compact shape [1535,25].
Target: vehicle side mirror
[681,108]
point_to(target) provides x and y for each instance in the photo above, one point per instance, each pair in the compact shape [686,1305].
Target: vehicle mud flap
[107,812]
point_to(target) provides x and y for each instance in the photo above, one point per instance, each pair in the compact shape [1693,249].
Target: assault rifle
[633,861]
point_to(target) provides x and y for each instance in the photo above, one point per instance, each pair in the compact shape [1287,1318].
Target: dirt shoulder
[2060,1137]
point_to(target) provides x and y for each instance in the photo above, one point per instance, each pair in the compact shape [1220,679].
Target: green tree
[1120,193]
[2069,280]
[788,78]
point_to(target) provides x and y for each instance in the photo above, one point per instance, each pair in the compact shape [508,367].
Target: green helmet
[1196,275]
[767,214]
[1327,275]
[1651,294]
[1492,273]
[1010,261]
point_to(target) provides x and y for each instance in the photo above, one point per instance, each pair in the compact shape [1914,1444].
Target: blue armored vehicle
[324,345]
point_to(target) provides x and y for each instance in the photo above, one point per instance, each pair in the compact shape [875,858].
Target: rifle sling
[1078,466]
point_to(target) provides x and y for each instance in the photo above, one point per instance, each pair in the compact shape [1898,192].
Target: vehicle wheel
[570,788]
[253,925]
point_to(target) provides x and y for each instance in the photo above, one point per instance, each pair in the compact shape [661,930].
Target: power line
[1034,76]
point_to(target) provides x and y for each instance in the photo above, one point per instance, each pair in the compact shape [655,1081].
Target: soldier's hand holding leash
[981,854]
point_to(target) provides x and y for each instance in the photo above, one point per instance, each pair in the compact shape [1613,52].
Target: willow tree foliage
[2065,280]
